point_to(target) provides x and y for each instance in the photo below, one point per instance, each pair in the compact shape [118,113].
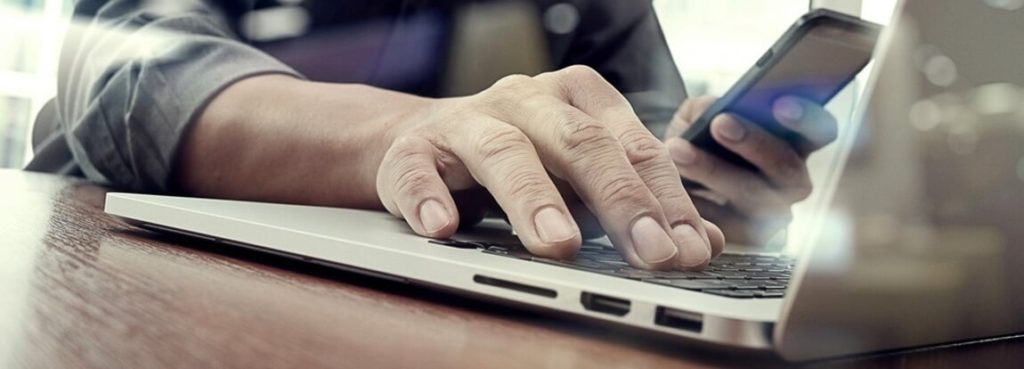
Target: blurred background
[714,41]
[30,35]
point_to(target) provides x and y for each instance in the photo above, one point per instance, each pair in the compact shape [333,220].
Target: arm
[258,135]
[133,77]
[281,139]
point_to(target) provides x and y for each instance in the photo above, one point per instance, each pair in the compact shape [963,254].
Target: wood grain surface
[79,289]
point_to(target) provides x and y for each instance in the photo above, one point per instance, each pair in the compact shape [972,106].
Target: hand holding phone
[814,60]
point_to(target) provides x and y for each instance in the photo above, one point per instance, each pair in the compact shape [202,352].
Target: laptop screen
[922,242]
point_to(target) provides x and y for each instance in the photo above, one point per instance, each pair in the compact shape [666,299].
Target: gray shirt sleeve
[134,76]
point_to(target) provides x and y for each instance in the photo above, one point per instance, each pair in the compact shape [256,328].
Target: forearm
[277,138]
[134,75]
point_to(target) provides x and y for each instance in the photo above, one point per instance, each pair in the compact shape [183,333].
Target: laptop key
[615,263]
[769,294]
[590,267]
[693,284]
[634,273]
[732,275]
[502,251]
[458,244]
[731,293]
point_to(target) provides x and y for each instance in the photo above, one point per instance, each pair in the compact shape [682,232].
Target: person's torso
[402,45]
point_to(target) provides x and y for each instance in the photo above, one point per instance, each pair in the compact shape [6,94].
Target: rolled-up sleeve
[133,77]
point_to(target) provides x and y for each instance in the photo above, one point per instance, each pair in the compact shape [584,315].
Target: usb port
[679,319]
[604,304]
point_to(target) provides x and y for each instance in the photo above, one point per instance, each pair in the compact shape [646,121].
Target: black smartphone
[818,56]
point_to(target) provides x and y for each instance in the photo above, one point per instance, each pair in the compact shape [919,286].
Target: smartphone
[815,59]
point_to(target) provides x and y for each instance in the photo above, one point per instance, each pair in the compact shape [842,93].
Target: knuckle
[621,189]
[501,145]
[577,133]
[415,183]
[528,186]
[536,106]
[668,190]
[513,81]
[404,155]
[583,72]
[507,90]
[405,147]
[643,149]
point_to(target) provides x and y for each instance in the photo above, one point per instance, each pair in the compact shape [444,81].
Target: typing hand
[522,135]
[750,206]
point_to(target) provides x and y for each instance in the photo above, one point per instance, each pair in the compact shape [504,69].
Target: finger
[815,124]
[649,159]
[592,161]
[692,108]
[777,160]
[717,238]
[504,161]
[410,187]
[581,150]
[746,191]
[590,226]
[688,112]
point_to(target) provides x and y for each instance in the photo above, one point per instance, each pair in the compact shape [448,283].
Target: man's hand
[523,135]
[751,206]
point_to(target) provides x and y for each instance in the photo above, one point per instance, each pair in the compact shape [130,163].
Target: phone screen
[816,68]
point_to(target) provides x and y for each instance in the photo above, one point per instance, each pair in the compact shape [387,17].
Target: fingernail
[433,216]
[696,251]
[681,152]
[732,130]
[788,111]
[552,226]
[651,242]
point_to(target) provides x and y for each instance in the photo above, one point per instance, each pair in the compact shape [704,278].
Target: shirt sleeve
[134,75]
[624,42]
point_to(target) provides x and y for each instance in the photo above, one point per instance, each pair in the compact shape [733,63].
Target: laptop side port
[679,319]
[515,286]
[604,304]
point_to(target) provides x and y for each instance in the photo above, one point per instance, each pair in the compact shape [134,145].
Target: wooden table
[80,289]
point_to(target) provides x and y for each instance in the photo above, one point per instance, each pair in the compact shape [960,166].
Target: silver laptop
[920,244]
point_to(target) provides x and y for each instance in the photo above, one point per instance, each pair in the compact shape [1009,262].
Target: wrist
[281,139]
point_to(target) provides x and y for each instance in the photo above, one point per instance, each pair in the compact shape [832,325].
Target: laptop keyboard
[730,274]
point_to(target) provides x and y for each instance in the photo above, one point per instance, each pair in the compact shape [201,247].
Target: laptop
[920,243]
